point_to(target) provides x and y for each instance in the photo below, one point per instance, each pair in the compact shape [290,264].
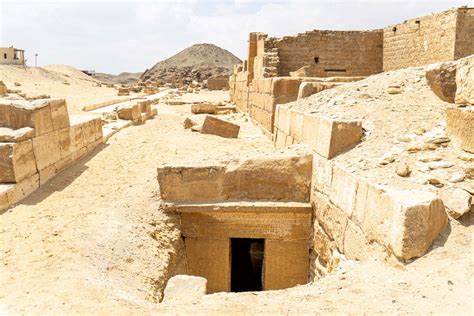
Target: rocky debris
[174,102]
[456,177]
[469,173]
[17,84]
[433,165]
[403,170]
[215,126]
[188,123]
[435,182]
[442,80]
[196,128]
[218,83]
[457,202]
[184,288]
[195,64]
[387,158]
[123,91]
[394,89]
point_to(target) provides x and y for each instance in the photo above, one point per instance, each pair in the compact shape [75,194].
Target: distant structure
[12,56]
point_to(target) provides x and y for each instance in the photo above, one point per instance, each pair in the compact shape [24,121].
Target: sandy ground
[58,81]
[94,237]
[94,240]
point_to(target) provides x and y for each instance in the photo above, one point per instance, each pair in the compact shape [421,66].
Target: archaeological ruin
[331,172]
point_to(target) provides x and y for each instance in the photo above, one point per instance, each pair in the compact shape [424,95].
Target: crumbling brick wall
[438,37]
[347,53]
[464,33]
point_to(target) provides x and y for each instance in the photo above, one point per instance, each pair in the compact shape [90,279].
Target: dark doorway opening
[247,256]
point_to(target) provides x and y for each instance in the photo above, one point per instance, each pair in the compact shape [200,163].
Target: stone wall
[218,83]
[348,53]
[37,141]
[464,33]
[438,37]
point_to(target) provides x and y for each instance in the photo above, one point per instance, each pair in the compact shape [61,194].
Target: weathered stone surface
[188,123]
[460,124]
[442,81]
[285,178]
[16,135]
[417,220]
[184,288]
[46,149]
[129,111]
[23,188]
[123,91]
[203,108]
[219,127]
[309,88]
[59,114]
[209,258]
[457,202]
[465,81]
[17,161]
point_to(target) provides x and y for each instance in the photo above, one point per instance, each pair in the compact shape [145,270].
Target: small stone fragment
[403,170]
[439,165]
[188,123]
[387,158]
[435,182]
[429,158]
[394,90]
[456,177]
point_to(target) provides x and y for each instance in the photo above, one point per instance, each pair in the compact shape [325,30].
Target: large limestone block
[59,114]
[4,189]
[130,112]
[89,131]
[441,79]
[16,135]
[418,219]
[286,264]
[185,289]
[3,88]
[66,145]
[280,178]
[334,137]
[460,124]
[17,161]
[35,114]
[77,137]
[209,258]
[219,127]
[203,108]
[285,86]
[307,89]
[275,179]
[465,81]
[23,188]
[46,149]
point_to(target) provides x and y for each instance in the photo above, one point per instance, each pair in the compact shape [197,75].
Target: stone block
[284,119]
[296,126]
[334,137]
[66,145]
[465,81]
[23,188]
[130,112]
[307,89]
[77,137]
[4,189]
[203,108]
[209,258]
[59,114]
[16,135]
[282,86]
[220,128]
[460,124]
[46,149]
[17,161]
[184,289]
[41,120]
[343,190]
[442,80]
[286,264]
[89,131]
[331,218]
[419,218]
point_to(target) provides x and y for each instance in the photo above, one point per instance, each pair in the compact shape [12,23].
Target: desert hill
[198,62]
[121,78]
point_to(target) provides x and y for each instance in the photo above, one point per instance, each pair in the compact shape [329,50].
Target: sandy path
[94,235]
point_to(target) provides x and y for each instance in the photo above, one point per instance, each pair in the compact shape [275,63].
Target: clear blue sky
[116,36]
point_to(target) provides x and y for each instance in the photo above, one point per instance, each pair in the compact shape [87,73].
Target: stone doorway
[247,261]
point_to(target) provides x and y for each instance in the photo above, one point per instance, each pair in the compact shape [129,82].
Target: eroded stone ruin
[307,213]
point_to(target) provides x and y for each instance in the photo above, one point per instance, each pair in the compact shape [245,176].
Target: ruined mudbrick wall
[349,53]
[438,37]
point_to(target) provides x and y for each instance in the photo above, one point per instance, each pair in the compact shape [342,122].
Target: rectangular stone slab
[286,264]
[209,258]
[17,161]
[283,226]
